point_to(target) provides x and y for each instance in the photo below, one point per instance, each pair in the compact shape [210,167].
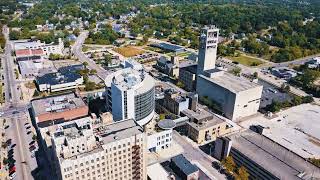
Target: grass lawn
[129,51]
[247,61]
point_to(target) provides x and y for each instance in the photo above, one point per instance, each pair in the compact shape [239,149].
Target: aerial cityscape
[160,90]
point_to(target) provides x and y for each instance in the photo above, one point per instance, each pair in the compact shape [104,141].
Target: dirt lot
[128,51]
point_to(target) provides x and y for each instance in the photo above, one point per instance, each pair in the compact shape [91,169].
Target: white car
[12,176]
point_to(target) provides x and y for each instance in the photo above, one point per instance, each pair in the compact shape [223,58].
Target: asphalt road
[77,51]
[15,112]
[195,154]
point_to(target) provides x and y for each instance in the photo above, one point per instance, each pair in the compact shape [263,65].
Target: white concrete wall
[247,102]
[218,94]
[160,140]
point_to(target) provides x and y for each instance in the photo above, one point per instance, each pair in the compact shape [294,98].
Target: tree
[307,99]
[93,71]
[242,174]
[229,164]
[236,71]
[180,84]
[285,88]
[297,100]
[85,64]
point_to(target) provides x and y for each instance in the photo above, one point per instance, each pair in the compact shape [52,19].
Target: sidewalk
[3,151]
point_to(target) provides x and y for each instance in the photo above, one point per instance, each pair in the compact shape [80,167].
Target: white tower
[207,48]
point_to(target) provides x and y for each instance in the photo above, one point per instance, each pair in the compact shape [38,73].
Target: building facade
[207,48]
[112,152]
[188,77]
[58,109]
[66,78]
[53,48]
[174,101]
[131,95]
[204,126]
[236,96]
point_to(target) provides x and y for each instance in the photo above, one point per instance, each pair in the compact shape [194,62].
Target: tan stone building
[204,126]
[113,152]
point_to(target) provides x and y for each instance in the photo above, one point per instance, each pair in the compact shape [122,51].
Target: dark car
[13,145]
[26,123]
[15,112]
[216,165]
[28,127]
[10,151]
[7,126]
[28,132]
[32,147]
[9,141]
[32,142]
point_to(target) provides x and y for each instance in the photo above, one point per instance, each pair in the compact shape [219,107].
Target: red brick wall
[66,115]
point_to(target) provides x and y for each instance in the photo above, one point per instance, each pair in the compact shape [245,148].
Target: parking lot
[271,93]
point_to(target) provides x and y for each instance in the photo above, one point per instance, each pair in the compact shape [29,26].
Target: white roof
[157,172]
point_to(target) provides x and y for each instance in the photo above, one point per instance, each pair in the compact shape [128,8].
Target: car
[28,132]
[33,155]
[9,142]
[28,127]
[7,126]
[15,112]
[31,148]
[12,160]
[10,151]
[12,176]
[12,169]
[13,145]
[32,142]
[26,123]
[10,155]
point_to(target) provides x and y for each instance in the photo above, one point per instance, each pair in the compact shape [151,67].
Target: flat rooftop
[55,104]
[157,172]
[168,47]
[211,119]
[296,128]
[119,130]
[184,165]
[231,82]
[274,158]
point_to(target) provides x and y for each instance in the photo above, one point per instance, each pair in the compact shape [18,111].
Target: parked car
[12,176]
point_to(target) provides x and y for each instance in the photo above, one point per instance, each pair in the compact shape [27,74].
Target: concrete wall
[218,94]
[247,103]
[234,106]
[160,140]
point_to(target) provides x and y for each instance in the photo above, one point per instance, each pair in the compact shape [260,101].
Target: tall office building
[131,94]
[236,97]
[208,48]
[112,152]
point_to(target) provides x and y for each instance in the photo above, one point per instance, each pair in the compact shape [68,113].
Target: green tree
[180,84]
[236,71]
[297,100]
[285,88]
[85,64]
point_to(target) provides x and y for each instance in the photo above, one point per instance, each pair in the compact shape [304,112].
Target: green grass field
[247,61]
